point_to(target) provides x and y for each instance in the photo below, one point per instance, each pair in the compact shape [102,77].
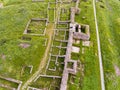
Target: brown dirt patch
[24,45]
[117,70]
[2,56]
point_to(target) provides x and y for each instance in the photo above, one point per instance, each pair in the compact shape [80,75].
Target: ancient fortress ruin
[76,33]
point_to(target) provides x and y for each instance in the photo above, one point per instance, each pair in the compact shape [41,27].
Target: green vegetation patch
[48,83]
[8,83]
[108,23]
[13,19]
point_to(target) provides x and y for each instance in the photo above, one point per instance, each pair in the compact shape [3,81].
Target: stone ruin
[75,32]
[74,10]
[75,49]
[27,31]
[11,80]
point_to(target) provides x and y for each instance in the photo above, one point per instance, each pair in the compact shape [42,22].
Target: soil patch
[1,5]
[2,56]
[117,70]
[24,45]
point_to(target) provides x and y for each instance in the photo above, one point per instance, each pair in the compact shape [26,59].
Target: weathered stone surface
[81,36]
[75,49]
[86,43]
[24,45]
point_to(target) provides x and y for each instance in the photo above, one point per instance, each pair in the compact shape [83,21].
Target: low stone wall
[36,20]
[11,80]
[67,70]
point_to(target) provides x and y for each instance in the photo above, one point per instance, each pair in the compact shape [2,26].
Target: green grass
[46,83]
[64,14]
[52,65]
[55,51]
[56,43]
[91,78]
[8,83]
[61,60]
[13,19]
[51,15]
[37,27]
[1,88]
[109,25]
[62,51]
[61,26]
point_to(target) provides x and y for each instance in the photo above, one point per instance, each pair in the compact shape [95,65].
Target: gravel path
[99,48]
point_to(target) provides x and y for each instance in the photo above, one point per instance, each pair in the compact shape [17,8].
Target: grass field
[109,24]
[15,59]
[12,30]
[89,79]
[13,19]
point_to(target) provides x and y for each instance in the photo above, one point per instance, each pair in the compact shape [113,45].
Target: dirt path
[44,60]
[99,48]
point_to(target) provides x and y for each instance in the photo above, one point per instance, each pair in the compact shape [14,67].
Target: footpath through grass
[13,19]
[89,79]
[108,15]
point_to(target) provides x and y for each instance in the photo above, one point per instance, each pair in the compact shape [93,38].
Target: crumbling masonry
[73,34]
